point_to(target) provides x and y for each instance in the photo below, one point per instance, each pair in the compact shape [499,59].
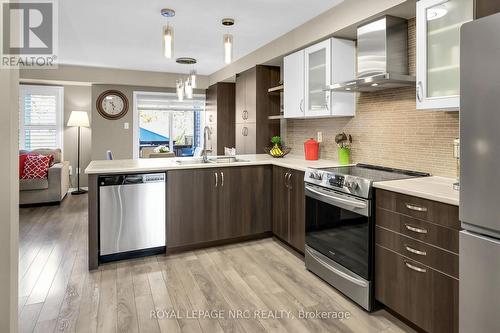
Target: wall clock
[112,104]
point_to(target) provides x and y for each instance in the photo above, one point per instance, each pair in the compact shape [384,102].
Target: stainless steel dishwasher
[132,215]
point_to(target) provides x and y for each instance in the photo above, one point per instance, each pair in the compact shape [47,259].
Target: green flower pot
[344,155]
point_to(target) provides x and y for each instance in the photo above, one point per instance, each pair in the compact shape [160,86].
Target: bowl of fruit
[277,149]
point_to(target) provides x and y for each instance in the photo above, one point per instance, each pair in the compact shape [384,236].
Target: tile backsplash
[387,130]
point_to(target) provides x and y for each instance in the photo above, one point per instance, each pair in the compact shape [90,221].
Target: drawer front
[434,257]
[423,209]
[425,297]
[431,233]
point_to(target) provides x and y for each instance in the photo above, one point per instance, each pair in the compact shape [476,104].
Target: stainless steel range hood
[382,57]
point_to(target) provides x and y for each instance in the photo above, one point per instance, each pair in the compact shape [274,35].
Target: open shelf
[276,89]
[278,117]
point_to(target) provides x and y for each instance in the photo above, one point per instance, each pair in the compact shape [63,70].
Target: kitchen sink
[222,159]
[189,161]
[226,159]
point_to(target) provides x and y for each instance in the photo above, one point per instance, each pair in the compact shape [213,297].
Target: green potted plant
[344,142]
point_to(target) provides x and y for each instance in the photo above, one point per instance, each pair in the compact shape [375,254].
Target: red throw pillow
[36,167]
[22,161]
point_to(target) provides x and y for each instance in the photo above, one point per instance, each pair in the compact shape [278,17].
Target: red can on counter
[311,148]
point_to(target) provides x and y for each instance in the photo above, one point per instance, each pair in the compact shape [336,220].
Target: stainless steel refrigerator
[479,293]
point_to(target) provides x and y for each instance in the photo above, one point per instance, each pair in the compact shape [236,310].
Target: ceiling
[127,34]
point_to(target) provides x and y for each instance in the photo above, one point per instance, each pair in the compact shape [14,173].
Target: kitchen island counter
[163,164]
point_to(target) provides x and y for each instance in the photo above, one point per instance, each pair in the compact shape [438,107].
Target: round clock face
[112,104]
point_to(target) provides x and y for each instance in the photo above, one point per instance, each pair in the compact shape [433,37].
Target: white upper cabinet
[293,81]
[438,52]
[343,104]
[317,77]
[308,72]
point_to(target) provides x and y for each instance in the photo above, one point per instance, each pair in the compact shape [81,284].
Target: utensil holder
[344,155]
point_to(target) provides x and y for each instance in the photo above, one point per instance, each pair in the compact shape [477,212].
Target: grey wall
[77,98]
[9,199]
[110,134]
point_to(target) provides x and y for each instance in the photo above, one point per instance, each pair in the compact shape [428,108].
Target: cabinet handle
[244,115]
[289,182]
[415,207]
[300,105]
[216,179]
[415,229]
[415,268]
[285,176]
[244,131]
[327,101]
[412,250]
[222,178]
[419,91]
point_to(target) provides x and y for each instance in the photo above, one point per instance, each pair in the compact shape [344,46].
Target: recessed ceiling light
[436,12]
[186,61]
[227,21]
[167,12]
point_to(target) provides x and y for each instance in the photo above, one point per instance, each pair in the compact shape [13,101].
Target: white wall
[318,28]
[9,199]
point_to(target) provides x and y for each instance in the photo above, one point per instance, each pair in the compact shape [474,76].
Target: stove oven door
[339,241]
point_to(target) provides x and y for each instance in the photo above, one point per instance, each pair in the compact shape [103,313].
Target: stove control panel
[336,180]
[316,175]
[340,182]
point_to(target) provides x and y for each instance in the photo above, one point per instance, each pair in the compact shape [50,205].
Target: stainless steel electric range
[340,226]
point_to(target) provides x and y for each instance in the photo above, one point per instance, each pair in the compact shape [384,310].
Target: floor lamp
[78,119]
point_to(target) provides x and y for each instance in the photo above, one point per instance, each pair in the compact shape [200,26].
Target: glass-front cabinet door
[317,77]
[438,52]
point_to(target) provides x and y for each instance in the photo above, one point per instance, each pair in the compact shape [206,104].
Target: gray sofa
[50,190]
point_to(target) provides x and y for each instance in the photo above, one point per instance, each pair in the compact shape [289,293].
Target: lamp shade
[78,119]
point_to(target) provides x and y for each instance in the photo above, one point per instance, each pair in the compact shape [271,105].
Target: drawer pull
[415,268]
[415,229]
[412,250]
[416,208]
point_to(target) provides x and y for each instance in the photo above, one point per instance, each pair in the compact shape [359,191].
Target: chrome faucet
[206,136]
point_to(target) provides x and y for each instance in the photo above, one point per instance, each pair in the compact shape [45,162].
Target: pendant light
[168,34]
[180,90]
[193,78]
[188,88]
[228,48]
[228,41]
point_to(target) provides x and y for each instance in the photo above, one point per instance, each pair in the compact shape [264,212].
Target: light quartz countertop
[433,188]
[164,164]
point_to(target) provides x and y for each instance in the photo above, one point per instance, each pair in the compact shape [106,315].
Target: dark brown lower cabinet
[289,206]
[424,296]
[214,204]
[192,207]
[416,260]
[249,201]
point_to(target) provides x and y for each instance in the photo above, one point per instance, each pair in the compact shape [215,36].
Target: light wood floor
[58,293]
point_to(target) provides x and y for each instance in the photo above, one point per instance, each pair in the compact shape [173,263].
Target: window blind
[169,102]
[41,117]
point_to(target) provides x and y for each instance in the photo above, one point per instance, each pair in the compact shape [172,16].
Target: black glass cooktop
[375,173]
